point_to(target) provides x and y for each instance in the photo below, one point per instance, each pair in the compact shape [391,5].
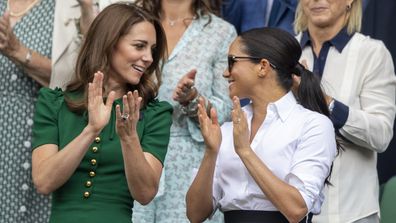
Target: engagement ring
[125,116]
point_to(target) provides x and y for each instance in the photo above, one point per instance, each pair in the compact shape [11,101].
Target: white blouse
[296,144]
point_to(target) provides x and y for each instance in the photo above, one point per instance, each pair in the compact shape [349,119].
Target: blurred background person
[25,51]
[71,22]
[198,42]
[377,18]
[358,76]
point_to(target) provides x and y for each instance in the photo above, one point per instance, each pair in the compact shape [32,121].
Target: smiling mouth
[139,68]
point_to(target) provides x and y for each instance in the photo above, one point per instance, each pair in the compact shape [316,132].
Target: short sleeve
[158,120]
[45,122]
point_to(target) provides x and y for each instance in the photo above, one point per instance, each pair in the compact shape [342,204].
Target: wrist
[91,131]
[331,105]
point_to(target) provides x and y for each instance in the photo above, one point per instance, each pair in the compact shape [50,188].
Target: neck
[20,7]
[177,9]
[263,97]
[113,85]
[320,35]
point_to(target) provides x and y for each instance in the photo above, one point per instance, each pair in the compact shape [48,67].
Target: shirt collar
[282,107]
[339,41]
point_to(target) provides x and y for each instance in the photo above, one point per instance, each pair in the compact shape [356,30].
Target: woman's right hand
[210,127]
[9,44]
[98,112]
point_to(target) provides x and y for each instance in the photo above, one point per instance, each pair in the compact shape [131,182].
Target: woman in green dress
[101,143]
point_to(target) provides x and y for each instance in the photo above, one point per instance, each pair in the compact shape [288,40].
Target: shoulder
[314,121]
[51,95]
[217,24]
[369,44]
[156,107]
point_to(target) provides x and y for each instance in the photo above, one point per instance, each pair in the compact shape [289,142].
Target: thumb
[191,74]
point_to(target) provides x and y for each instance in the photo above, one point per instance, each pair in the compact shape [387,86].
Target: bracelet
[191,110]
[28,57]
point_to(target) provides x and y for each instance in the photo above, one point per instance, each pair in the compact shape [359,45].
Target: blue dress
[204,47]
[19,201]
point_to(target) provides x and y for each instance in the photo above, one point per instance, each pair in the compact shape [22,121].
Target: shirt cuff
[339,115]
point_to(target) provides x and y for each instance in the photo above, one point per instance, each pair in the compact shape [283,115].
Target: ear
[264,68]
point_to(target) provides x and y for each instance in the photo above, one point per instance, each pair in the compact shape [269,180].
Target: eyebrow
[142,41]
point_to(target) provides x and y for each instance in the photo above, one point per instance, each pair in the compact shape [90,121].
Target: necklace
[172,22]
[23,12]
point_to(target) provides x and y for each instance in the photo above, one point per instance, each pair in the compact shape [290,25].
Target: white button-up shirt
[296,144]
[363,78]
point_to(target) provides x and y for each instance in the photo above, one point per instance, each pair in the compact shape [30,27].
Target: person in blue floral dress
[198,43]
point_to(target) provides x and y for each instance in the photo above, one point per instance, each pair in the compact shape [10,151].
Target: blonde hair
[353,23]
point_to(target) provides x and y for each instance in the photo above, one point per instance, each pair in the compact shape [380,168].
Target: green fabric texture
[109,199]
[388,202]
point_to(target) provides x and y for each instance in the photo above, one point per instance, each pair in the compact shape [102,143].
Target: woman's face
[133,54]
[325,13]
[241,71]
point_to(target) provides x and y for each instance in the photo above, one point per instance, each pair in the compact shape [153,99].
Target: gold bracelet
[28,56]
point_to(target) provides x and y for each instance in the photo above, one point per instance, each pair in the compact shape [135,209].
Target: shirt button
[93,162]
[22,208]
[14,77]
[94,149]
[25,187]
[88,183]
[97,139]
[30,122]
[86,194]
[26,165]
[27,144]
[92,173]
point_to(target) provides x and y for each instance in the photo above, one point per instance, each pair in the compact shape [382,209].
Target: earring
[348,8]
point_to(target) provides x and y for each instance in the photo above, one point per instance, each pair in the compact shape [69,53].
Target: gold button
[92,173]
[97,139]
[86,194]
[93,162]
[88,183]
[94,149]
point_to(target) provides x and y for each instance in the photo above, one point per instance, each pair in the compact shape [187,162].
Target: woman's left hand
[240,126]
[9,44]
[129,117]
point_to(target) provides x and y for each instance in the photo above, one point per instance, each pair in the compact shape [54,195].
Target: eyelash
[139,46]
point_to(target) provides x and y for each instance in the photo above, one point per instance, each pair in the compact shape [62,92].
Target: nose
[148,57]
[226,73]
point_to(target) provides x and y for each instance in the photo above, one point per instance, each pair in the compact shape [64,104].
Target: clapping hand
[128,118]
[9,44]
[210,127]
[98,112]
[240,127]
[185,90]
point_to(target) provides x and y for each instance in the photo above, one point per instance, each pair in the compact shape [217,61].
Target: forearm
[51,171]
[37,66]
[142,177]
[285,197]
[87,16]
[199,196]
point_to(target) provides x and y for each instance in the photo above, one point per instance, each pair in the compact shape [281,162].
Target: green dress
[97,191]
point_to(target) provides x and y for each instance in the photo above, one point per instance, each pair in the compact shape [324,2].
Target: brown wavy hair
[198,8]
[109,26]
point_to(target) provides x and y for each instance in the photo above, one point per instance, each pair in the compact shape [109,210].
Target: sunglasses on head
[233,59]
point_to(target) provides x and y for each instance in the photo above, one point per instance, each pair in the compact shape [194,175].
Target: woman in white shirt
[271,162]
[358,77]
